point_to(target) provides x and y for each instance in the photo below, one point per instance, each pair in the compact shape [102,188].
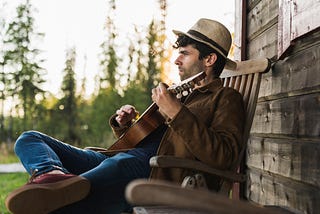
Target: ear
[210,59]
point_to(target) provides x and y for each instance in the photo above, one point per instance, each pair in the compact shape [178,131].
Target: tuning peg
[185,93]
[191,84]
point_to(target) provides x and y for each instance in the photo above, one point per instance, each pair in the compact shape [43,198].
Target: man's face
[188,62]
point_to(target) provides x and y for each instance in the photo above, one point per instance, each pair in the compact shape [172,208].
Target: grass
[9,182]
[7,154]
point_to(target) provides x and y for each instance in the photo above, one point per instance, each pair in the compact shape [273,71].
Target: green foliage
[68,103]
[97,131]
[21,66]
[7,154]
[138,96]
[152,69]
[109,60]
[71,118]
[9,182]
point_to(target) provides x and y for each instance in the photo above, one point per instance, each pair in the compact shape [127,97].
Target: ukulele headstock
[186,86]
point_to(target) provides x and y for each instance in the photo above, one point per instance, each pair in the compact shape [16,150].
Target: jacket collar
[212,87]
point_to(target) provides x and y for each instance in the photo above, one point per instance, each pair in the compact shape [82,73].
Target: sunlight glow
[80,24]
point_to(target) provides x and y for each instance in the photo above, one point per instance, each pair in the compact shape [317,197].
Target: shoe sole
[44,198]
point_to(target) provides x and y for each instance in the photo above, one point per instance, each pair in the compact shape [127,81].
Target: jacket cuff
[172,122]
[117,130]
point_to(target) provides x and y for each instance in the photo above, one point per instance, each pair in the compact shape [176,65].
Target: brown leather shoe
[49,178]
[46,193]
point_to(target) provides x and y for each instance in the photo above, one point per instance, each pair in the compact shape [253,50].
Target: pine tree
[153,66]
[22,59]
[68,104]
[109,60]
[156,43]
[2,75]
[164,50]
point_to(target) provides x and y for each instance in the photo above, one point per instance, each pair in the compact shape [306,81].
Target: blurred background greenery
[73,117]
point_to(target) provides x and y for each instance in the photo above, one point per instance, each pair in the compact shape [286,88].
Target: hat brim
[230,64]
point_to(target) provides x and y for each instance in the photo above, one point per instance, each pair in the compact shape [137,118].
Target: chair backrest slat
[247,90]
[246,79]
[243,84]
[232,81]
[237,83]
[252,102]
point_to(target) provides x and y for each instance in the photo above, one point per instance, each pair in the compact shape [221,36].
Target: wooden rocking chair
[165,197]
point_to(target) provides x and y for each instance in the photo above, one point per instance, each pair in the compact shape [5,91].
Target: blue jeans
[40,153]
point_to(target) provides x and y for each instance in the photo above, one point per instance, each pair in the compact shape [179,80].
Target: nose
[177,61]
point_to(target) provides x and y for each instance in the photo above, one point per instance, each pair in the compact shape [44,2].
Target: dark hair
[205,50]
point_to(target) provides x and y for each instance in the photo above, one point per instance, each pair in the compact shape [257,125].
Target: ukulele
[151,118]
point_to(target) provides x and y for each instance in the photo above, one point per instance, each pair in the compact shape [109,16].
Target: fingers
[168,104]
[160,90]
[127,108]
[119,120]
[125,114]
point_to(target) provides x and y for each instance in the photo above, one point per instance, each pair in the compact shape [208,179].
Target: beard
[186,73]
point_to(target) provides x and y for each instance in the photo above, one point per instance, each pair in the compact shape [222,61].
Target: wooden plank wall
[283,156]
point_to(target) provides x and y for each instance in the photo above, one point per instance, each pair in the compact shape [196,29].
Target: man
[206,125]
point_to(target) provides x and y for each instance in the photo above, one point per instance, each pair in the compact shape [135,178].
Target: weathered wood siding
[283,156]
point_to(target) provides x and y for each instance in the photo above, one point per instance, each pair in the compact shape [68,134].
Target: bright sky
[79,23]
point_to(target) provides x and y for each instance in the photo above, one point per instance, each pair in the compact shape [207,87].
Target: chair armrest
[145,192]
[248,67]
[176,162]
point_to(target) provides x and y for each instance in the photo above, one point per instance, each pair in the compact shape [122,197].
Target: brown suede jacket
[208,128]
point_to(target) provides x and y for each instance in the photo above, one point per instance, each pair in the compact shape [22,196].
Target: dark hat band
[206,39]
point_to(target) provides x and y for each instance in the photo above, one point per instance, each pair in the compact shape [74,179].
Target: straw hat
[213,34]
